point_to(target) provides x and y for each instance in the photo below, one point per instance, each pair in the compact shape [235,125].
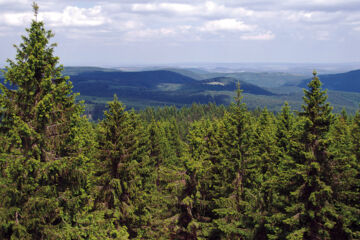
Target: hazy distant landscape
[140,87]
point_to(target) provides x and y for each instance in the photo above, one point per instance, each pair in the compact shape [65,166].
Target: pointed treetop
[35,9]
[238,97]
[314,72]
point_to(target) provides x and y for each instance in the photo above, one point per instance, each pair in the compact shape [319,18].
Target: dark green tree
[234,174]
[268,158]
[344,182]
[281,180]
[350,187]
[285,128]
[122,169]
[45,183]
[355,133]
[313,215]
[166,179]
[196,199]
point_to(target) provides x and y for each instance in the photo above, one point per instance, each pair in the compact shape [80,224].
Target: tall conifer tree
[234,174]
[45,183]
[268,160]
[122,163]
[313,212]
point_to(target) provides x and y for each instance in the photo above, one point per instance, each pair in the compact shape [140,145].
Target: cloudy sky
[126,32]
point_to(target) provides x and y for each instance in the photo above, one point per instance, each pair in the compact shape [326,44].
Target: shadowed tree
[45,151]
[313,214]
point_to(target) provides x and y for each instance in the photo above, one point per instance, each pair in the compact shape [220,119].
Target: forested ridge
[201,172]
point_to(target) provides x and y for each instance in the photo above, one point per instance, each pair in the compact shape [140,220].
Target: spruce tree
[268,160]
[285,128]
[122,169]
[165,178]
[234,174]
[355,133]
[197,203]
[45,184]
[344,182]
[284,176]
[313,215]
[351,184]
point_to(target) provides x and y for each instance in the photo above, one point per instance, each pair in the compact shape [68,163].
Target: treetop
[35,7]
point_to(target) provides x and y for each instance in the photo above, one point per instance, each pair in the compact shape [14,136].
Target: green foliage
[46,147]
[313,213]
[235,174]
[199,172]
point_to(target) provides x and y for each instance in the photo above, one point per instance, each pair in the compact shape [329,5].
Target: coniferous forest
[200,172]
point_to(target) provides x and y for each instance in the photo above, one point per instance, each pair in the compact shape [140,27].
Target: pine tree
[196,199]
[355,132]
[350,189]
[281,183]
[344,180]
[166,176]
[45,186]
[268,160]
[234,174]
[285,127]
[313,215]
[122,169]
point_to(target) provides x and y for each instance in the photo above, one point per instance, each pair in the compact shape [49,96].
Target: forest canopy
[201,172]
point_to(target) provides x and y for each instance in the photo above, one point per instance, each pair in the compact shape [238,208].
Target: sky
[130,32]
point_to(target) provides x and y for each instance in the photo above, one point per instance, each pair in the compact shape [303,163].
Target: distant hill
[194,73]
[181,87]
[261,79]
[105,84]
[347,82]
[146,79]
[230,84]
[154,88]
[71,71]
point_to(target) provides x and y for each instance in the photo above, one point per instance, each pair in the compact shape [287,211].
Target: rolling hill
[347,82]
[154,88]
[181,87]
[261,79]
[157,85]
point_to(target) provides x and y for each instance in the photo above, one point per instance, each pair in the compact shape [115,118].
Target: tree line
[204,172]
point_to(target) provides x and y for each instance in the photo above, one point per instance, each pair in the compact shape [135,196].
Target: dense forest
[201,172]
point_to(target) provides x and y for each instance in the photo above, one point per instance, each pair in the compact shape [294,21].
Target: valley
[184,86]
[157,87]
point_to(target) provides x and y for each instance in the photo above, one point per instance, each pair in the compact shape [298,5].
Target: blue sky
[126,32]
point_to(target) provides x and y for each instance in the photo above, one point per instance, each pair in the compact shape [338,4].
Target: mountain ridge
[347,82]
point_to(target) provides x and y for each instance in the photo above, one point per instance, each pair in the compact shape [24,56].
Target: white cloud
[297,5]
[184,22]
[148,34]
[13,2]
[208,8]
[316,17]
[73,16]
[16,19]
[131,25]
[227,24]
[262,36]
[298,16]
[167,7]
[324,5]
